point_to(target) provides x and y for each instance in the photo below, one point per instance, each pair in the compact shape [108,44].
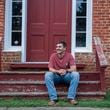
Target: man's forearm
[62,71]
[53,70]
[71,69]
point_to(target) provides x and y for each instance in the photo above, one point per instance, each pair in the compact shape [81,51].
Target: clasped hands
[62,71]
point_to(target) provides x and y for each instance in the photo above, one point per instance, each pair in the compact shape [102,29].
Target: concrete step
[31,83]
[36,65]
[39,86]
[39,75]
[88,95]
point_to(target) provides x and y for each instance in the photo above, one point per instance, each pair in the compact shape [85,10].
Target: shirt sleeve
[72,60]
[51,60]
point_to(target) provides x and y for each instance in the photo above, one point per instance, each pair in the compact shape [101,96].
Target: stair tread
[39,72]
[46,93]
[22,72]
[43,82]
[36,65]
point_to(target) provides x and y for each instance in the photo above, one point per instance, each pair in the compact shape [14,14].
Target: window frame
[88,47]
[8,29]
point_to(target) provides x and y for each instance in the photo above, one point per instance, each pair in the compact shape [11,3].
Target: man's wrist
[67,71]
[57,71]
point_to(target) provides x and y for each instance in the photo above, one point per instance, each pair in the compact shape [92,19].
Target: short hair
[63,43]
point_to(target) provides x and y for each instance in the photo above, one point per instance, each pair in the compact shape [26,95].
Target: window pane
[81,24]
[16,39]
[16,0]
[81,9]
[17,8]
[80,39]
[16,24]
[82,0]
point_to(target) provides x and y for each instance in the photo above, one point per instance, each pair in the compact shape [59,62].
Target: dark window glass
[80,39]
[17,8]
[81,9]
[16,24]
[16,38]
[16,0]
[82,0]
[81,24]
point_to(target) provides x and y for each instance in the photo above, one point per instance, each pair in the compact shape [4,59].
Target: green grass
[21,102]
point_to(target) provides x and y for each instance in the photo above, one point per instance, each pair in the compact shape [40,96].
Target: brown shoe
[73,102]
[52,103]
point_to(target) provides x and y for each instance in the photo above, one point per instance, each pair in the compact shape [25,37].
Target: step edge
[46,93]
[40,72]
[43,82]
[21,72]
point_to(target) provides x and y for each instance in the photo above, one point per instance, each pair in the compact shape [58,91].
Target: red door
[48,21]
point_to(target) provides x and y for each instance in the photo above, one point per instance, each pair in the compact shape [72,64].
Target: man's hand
[62,71]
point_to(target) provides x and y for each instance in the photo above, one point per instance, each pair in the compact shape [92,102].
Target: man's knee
[76,75]
[48,75]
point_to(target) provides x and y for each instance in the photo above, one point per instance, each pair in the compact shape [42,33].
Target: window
[82,25]
[13,25]
[16,29]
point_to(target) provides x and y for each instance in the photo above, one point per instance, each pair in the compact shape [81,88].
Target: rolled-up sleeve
[50,65]
[72,60]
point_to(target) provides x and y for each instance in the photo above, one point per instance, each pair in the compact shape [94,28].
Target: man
[62,69]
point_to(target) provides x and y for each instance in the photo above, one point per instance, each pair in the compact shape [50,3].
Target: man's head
[61,47]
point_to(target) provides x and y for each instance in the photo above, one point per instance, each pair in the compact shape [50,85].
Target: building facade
[29,30]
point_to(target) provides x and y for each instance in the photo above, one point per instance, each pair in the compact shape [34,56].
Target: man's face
[60,49]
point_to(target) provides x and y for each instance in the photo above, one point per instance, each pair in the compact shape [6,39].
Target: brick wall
[1,26]
[1,18]
[101,28]
[9,57]
[6,57]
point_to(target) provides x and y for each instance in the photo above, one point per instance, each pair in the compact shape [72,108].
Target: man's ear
[65,48]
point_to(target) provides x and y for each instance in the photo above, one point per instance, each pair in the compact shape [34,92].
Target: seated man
[62,69]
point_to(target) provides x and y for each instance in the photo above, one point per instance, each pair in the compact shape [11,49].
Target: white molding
[73,27]
[17,50]
[89,25]
[24,30]
[7,24]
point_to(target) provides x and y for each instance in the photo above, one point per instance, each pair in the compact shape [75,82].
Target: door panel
[60,23]
[48,22]
[38,25]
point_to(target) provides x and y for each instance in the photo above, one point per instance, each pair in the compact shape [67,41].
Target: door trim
[24,31]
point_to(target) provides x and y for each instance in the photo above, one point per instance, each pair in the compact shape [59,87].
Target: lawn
[21,102]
